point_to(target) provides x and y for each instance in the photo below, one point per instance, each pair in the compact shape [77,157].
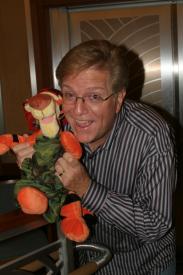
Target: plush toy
[40,191]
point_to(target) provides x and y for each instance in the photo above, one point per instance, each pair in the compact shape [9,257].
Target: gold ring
[61,174]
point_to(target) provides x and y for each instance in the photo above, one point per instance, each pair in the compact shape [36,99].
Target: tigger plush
[40,191]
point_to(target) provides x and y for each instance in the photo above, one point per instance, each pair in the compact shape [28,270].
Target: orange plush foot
[73,225]
[75,229]
[32,201]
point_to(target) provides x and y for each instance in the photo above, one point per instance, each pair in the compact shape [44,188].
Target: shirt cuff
[95,197]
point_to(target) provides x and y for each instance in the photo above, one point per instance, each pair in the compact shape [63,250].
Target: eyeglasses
[91,99]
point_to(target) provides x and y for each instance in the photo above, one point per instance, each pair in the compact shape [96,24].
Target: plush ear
[31,121]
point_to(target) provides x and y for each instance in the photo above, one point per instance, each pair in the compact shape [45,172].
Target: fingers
[59,169]
[72,174]
[69,158]
[22,151]
[60,166]
[65,163]
[63,168]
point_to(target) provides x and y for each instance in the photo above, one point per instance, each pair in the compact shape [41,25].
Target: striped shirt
[133,176]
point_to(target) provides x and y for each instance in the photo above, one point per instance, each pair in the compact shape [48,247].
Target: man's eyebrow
[65,86]
[95,88]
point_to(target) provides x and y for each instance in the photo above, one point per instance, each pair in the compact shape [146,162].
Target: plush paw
[71,144]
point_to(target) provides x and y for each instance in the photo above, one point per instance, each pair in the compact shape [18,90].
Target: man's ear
[120,99]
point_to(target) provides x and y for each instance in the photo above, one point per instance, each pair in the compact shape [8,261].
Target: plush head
[45,109]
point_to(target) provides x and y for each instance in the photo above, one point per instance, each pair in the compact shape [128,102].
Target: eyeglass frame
[83,97]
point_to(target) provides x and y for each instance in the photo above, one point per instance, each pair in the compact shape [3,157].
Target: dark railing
[14,223]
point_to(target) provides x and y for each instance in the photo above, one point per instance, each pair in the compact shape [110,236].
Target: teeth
[83,123]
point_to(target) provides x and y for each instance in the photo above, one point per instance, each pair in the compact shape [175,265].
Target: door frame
[40,18]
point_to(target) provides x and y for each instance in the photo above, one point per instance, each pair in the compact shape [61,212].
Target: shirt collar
[118,120]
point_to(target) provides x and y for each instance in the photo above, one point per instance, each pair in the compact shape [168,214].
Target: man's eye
[95,98]
[68,96]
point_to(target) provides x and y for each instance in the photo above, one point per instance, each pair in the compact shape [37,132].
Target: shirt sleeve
[147,213]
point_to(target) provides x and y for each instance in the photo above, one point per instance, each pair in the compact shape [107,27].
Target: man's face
[91,122]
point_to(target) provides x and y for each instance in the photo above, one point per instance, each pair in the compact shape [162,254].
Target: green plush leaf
[39,172]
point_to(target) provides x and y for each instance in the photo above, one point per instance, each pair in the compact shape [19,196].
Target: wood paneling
[14,65]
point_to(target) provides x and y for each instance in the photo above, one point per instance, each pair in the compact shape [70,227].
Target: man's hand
[73,174]
[23,151]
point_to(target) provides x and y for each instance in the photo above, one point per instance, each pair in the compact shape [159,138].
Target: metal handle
[105,253]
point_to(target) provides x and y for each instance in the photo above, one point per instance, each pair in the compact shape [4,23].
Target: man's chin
[83,139]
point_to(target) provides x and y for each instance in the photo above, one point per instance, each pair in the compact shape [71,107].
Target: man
[127,174]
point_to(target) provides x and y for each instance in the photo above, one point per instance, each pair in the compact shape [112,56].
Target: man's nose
[80,105]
